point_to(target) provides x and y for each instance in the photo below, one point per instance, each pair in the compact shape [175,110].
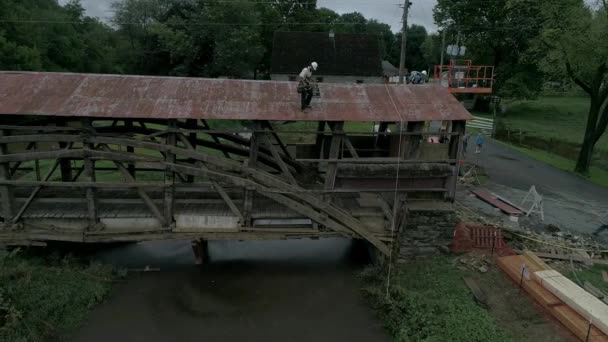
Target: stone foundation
[427,232]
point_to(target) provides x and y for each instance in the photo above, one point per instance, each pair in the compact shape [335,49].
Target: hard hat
[314,65]
[424,72]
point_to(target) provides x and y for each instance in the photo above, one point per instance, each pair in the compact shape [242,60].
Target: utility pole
[406,7]
[445,30]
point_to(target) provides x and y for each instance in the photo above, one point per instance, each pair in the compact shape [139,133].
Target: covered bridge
[103,158]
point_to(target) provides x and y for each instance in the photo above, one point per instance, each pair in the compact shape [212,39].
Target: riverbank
[45,298]
[429,301]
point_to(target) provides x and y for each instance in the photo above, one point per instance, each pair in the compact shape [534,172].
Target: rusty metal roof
[117,96]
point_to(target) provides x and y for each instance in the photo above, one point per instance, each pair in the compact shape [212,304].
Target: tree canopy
[574,38]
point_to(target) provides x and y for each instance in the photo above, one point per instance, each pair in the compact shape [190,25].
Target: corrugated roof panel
[118,96]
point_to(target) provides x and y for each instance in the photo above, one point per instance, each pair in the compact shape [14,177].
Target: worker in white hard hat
[305,87]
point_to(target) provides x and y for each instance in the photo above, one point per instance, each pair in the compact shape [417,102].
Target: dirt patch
[516,312]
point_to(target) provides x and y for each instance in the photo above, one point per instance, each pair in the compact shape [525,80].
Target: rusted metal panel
[62,94]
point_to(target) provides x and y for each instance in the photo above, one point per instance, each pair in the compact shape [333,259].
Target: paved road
[288,291]
[512,168]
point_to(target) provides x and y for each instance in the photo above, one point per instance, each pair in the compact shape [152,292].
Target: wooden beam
[89,167]
[235,210]
[254,145]
[6,191]
[140,191]
[277,138]
[192,140]
[170,175]
[215,138]
[455,153]
[334,153]
[15,167]
[34,193]
[320,136]
[277,158]
[130,149]
[411,148]
[65,164]
[351,148]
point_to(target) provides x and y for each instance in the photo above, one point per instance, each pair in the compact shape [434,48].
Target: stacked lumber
[566,315]
[576,297]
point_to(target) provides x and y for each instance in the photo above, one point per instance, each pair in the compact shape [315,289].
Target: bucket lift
[462,77]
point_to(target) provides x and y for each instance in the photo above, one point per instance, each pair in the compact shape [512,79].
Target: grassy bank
[597,175]
[561,118]
[45,299]
[429,302]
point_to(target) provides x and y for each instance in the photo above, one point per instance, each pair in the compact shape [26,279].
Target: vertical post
[319,139]
[6,191]
[169,175]
[412,148]
[406,7]
[89,169]
[337,136]
[192,138]
[445,30]
[130,149]
[455,152]
[37,164]
[65,164]
[254,146]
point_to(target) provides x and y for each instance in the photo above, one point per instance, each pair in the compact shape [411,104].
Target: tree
[496,33]
[575,36]
[414,57]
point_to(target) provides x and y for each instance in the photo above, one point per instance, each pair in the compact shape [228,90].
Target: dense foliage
[45,299]
[205,38]
[429,302]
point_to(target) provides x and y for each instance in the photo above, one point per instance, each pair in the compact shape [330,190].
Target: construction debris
[576,322]
[480,296]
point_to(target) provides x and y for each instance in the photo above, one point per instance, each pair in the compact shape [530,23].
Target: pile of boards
[570,304]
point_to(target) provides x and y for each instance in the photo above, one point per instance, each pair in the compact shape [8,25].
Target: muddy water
[303,290]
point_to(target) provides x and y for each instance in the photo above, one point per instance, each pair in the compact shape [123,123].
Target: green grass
[597,175]
[562,118]
[429,302]
[593,275]
[46,299]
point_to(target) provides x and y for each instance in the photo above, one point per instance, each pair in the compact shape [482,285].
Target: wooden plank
[504,207]
[572,257]
[599,294]
[6,191]
[478,293]
[537,261]
[576,297]
[573,321]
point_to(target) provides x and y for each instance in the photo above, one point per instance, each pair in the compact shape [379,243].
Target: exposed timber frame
[187,162]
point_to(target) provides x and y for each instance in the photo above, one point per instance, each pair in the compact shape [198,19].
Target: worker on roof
[305,87]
